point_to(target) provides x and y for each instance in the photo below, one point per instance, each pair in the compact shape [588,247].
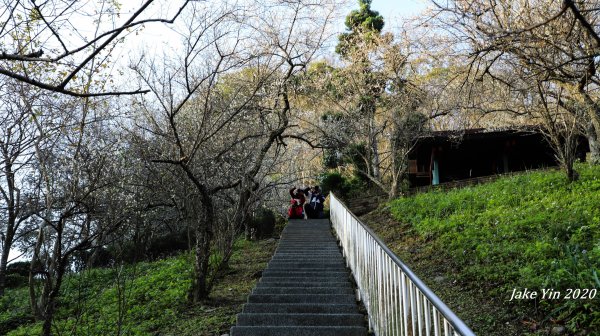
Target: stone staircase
[305,290]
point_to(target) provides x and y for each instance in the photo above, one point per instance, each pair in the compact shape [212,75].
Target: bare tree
[48,44]
[554,42]
[17,139]
[221,108]
[562,127]
[73,165]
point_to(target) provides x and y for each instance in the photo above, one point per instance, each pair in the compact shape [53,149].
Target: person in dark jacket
[315,205]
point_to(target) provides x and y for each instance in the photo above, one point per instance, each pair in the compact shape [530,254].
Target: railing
[397,301]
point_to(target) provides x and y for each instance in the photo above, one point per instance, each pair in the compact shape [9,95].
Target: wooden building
[446,156]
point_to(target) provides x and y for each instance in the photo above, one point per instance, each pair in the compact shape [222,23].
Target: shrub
[168,245]
[17,274]
[332,182]
[14,309]
[20,267]
[16,280]
[263,222]
[342,186]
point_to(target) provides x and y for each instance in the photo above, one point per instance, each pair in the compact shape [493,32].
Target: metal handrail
[397,301]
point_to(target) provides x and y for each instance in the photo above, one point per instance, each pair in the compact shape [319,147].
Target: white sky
[393,12]
[393,9]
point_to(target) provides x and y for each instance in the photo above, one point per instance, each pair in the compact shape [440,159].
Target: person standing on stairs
[296,210]
[315,206]
[307,192]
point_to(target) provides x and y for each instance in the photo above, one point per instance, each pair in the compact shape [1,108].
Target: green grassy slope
[534,231]
[148,298]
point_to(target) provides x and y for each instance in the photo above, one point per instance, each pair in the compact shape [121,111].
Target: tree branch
[584,22]
[109,37]
[58,89]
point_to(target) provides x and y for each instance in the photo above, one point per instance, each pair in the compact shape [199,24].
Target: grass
[217,315]
[475,245]
[148,298]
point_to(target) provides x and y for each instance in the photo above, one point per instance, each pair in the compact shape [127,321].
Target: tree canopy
[360,24]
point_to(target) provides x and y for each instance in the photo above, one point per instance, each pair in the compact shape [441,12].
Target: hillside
[147,298]
[475,246]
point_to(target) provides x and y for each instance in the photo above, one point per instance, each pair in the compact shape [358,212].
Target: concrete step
[331,248]
[302,298]
[318,246]
[305,264]
[292,238]
[305,249]
[314,266]
[297,331]
[308,242]
[315,269]
[251,319]
[309,258]
[286,260]
[304,258]
[302,290]
[324,232]
[302,284]
[308,254]
[300,262]
[300,308]
[275,279]
[305,270]
[303,274]
[312,240]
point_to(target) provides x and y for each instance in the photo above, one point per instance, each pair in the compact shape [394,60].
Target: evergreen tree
[363,35]
[361,25]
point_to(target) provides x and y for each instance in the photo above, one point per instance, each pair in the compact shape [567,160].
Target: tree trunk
[398,173]
[3,264]
[33,271]
[204,234]
[50,307]
[53,280]
[376,160]
[393,193]
[594,142]
[593,129]
[11,197]
[244,216]
[567,153]
[241,218]
[200,289]
[6,245]
[373,143]
[394,187]
[572,175]
[91,260]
